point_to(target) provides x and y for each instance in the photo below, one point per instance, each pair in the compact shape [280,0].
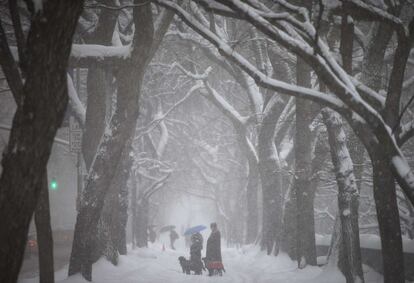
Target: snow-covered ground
[244,265]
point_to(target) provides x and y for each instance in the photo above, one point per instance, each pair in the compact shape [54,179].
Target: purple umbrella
[194,230]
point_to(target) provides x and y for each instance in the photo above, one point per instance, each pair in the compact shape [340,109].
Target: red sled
[215,265]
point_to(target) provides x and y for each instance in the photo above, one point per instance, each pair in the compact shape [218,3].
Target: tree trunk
[38,116]
[122,213]
[306,247]
[356,148]
[271,179]
[142,223]
[335,246]
[348,198]
[98,90]
[115,212]
[252,201]
[134,212]
[44,233]
[98,87]
[121,129]
[384,182]
[289,240]
[388,219]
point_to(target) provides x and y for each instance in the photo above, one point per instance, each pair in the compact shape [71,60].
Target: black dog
[188,266]
[214,267]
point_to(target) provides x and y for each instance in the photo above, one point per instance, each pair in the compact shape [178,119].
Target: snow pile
[248,264]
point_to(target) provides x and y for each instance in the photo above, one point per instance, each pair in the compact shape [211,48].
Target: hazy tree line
[183,94]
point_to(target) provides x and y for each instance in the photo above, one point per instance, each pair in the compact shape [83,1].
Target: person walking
[173,237]
[213,249]
[195,252]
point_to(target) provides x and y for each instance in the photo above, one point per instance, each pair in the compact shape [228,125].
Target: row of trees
[274,63]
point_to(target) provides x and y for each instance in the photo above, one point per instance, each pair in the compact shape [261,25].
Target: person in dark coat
[195,252]
[173,238]
[213,259]
[213,252]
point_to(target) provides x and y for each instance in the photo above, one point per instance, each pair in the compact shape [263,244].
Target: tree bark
[356,148]
[289,240]
[38,116]
[252,224]
[335,246]
[44,233]
[121,129]
[384,182]
[388,218]
[306,247]
[98,87]
[142,223]
[122,213]
[115,213]
[271,179]
[134,212]
[348,198]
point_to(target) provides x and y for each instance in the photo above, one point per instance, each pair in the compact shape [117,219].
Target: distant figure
[173,237]
[152,235]
[195,252]
[213,259]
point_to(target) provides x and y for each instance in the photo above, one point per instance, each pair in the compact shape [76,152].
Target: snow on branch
[148,192]
[346,101]
[163,131]
[218,9]
[226,108]
[206,47]
[86,54]
[75,102]
[407,132]
[209,179]
[114,8]
[202,76]
[365,11]
[260,78]
[154,123]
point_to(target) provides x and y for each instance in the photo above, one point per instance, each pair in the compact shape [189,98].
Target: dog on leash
[214,267]
[188,266]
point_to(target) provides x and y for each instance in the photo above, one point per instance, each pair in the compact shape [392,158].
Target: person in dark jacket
[173,237]
[213,249]
[195,252]
[213,252]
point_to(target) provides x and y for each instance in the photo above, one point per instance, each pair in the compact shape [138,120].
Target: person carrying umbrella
[195,251]
[173,238]
[213,249]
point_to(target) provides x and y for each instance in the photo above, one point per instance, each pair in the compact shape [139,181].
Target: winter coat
[173,236]
[213,252]
[195,251]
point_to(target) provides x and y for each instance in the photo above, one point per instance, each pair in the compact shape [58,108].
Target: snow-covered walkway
[152,265]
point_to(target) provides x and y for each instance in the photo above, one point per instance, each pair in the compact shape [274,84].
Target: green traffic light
[53,185]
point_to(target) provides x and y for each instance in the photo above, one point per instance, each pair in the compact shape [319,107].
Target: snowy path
[242,266]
